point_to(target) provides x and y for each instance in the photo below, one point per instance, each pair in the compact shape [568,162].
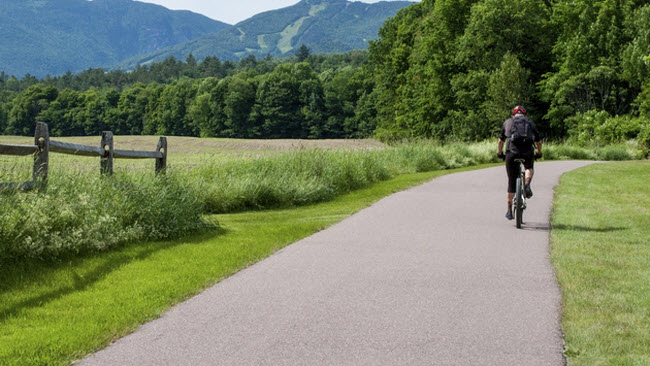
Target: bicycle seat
[520,160]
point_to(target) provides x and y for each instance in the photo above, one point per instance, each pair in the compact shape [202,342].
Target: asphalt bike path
[434,275]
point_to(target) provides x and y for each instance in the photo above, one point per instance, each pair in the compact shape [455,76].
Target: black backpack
[522,135]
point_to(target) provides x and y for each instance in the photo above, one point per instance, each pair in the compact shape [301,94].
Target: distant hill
[52,36]
[324,26]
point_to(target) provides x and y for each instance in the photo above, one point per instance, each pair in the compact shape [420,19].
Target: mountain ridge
[42,37]
[324,26]
[51,37]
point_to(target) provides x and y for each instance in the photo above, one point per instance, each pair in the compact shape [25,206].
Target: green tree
[132,107]
[277,106]
[172,109]
[151,119]
[190,69]
[588,56]
[414,63]
[303,53]
[238,104]
[61,115]
[211,67]
[26,108]
[509,85]
[6,100]
[93,114]
[207,110]
[636,57]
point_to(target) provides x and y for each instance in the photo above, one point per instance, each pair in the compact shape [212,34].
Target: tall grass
[304,177]
[81,211]
[84,212]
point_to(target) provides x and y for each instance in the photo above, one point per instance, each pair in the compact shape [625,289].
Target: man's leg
[529,165]
[509,201]
[512,168]
[529,175]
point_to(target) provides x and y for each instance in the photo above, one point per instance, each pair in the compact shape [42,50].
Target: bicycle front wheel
[519,203]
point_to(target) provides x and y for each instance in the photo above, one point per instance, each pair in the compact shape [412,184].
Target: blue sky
[229,11]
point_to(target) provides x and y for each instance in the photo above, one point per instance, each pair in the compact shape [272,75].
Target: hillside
[53,36]
[323,25]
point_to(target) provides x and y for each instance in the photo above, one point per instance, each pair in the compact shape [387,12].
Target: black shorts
[512,167]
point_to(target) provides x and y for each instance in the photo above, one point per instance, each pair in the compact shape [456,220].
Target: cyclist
[521,134]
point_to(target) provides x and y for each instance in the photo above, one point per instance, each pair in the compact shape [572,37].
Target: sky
[228,11]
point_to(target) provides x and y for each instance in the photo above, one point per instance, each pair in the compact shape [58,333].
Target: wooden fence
[43,146]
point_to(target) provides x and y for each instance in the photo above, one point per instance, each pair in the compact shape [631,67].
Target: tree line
[307,96]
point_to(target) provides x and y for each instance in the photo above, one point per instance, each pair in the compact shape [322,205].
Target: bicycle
[519,201]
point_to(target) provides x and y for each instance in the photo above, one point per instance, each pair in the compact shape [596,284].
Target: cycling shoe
[528,191]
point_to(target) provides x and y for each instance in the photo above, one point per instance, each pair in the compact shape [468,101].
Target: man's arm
[538,148]
[502,139]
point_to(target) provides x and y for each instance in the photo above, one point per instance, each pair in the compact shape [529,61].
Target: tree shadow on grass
[25,273]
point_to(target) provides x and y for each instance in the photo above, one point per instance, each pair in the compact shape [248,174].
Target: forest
[441,69]
[455,68]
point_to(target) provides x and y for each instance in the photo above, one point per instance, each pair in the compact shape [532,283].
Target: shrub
[582,126]
[598,127]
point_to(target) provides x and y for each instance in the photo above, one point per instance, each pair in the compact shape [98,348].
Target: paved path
[433,275]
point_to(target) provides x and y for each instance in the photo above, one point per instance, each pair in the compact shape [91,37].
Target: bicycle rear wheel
[519,203]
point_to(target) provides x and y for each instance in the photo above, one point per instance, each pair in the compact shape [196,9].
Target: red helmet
[519,109]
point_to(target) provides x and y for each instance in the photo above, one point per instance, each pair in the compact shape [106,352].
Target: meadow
[82,211]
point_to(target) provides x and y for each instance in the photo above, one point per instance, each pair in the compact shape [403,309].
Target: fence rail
[43,145]
[18,150]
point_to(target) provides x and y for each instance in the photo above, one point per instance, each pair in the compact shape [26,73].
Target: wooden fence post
[161,163]
[106,146]
[41,158]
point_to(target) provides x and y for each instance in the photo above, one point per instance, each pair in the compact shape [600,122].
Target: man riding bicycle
[521,134]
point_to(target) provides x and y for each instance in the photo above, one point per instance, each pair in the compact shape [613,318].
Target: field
[184,152]
[181,146]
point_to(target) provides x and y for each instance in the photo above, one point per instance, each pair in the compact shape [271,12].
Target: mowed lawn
[601,253]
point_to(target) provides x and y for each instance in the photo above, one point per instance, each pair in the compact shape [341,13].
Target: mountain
[324,26]
[53,36]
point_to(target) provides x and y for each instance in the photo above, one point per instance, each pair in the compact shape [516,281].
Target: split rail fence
[43,145]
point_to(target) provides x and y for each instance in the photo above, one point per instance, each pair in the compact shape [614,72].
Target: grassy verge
[52,313]
[601,252]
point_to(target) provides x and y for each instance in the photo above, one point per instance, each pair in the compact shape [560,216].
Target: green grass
[601,253]
[52,313]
